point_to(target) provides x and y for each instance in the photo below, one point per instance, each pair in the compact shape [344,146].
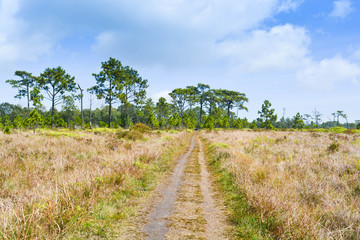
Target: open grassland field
[78,184]
[301,185]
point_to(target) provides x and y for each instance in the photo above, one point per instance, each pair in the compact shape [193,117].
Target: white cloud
[219,16]
[342,8]
[282,48]
[285,49]
[288,5]
[213,16]
[323,75]
[15,42]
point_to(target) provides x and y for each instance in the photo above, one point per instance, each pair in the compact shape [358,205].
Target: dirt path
[158,219]
[184,206]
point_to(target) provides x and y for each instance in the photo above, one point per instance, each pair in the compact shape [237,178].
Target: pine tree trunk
[90,113]
[82,113]
[28,97]
[52,110]
[110,114]
[125,115]
[201,107]
[52,114]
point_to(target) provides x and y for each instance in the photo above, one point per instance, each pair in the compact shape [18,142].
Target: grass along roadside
[77,187]
[307,181]
[246,222]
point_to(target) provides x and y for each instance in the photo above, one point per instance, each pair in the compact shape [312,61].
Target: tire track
[214,215]
[157,227]
[188,208]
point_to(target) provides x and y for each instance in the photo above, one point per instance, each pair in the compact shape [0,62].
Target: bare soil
[184,206]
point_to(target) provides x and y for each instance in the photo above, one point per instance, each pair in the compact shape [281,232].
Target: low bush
[334,147]
[140,127]
[134,135]
[349,131]
[103,124]
[130,135]
[7,130]
[121,134]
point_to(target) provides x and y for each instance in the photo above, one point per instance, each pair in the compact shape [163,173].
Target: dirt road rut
[185,206]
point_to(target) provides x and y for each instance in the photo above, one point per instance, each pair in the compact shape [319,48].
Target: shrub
[121,134]
[7,130]
[253,125]
[103,124]
[114,125]
[349,131]
[333,147]
[220,155]
[130,135]
[140,127]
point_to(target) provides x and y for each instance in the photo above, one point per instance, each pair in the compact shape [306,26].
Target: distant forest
[191,107]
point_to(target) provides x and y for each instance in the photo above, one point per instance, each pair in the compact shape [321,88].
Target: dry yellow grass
[310,182]
[63,186]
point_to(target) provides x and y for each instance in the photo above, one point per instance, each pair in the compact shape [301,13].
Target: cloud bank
[179,34]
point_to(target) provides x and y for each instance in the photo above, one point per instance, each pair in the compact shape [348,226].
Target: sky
[300,55]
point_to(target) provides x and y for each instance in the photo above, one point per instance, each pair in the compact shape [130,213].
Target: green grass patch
[337,129]
[72,134]
[263,140]
[106,130]
[333,130]
[219,145]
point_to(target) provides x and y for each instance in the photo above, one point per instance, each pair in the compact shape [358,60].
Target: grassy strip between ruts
[110,212]
[246,222]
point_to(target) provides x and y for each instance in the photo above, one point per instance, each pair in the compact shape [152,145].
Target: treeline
[158,115]
[191,107]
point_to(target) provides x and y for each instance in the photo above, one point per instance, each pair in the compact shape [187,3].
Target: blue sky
[299,54]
